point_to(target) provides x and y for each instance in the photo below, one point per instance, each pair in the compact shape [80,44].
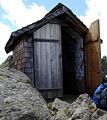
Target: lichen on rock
[18,99]
[8,62]
[83,108]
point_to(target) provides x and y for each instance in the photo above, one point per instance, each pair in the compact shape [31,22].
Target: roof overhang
[57,12]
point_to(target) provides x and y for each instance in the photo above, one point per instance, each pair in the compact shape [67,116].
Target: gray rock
[8,62]
[83,108]
[99,114]
[18,99]
[81,113]
[104,117]
[57,109]
[59,104]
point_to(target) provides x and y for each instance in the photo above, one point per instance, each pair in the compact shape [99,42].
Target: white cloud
[19,15]
[97,10]
[4,35]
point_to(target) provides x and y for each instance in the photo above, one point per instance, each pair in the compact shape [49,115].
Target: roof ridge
[59,5]
[58,10]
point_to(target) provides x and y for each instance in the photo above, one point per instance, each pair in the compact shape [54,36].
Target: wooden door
[93,57]
[47,58]
[47,65]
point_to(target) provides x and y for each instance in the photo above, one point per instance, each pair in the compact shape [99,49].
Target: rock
[59,104]
[104,117]
[99,115]
[57,109]
[18,99]
[61,115]
[81,113]
[83,108]
[8,62]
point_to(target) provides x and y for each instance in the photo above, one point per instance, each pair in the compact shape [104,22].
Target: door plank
[93,57]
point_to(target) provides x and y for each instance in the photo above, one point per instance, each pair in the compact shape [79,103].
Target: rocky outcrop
[83,108]
[8,62]
[18,99]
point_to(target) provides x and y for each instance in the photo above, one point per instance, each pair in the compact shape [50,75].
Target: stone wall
[79,64]
[79,59]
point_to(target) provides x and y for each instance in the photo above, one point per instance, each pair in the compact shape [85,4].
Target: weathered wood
[53,31]
[47,57]
[93,57]
[43,32]
[53,65]
[23,57]
[48,31]
[48,26]
[45,40]
[37,59]
[47,65]
[59,65]
[59,61]
[43,66]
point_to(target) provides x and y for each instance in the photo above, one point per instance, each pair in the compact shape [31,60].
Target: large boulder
[18,99]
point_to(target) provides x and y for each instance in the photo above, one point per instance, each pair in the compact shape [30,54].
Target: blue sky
[78,8]
[15,14]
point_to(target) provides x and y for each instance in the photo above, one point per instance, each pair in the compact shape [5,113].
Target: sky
[15,14]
